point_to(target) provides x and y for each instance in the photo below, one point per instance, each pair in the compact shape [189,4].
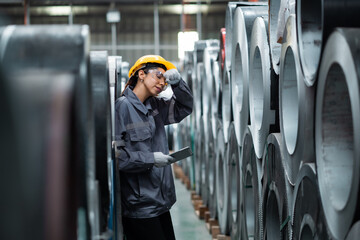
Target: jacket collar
[135,101]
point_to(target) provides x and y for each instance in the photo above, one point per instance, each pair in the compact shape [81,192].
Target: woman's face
[154,80]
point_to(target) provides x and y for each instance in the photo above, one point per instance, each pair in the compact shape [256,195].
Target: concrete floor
[187,225]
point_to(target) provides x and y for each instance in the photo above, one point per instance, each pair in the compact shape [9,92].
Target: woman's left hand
[172,76]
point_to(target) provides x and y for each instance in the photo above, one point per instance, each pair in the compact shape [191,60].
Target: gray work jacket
[147,191]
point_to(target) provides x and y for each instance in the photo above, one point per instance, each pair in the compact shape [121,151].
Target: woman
[146,180]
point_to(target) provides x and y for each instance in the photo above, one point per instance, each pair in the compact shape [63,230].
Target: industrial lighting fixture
[186,41]
[113,16]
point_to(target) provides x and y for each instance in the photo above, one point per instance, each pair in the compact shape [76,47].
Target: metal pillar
[156,29]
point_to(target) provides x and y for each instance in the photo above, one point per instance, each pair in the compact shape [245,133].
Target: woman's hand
[161,160]
[172,76]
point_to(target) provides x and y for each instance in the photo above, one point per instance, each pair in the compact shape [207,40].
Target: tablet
[181,154]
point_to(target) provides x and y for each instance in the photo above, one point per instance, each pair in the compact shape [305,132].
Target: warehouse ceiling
[102,2]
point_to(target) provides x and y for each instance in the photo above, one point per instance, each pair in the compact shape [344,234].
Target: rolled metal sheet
[199,157]
[102,114]
[211,156]
[275,43]
[235,187]
[337,130]
[204,165]
[262,116]
[277,193]
[307,215]
[230,28]
[198,93]
[118,73]
[222,50]
[315,22]
[354,232]
[35,124]
[226,112]
[60,48]
[251,173]
[296,102]
[243,22]
[222,184]
[215,98]
[210,55]
[113,90]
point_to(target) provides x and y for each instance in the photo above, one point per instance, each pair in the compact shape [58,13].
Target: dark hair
[133,80]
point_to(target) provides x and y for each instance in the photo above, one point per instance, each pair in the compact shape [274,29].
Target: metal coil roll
[275,45]
[234,175]
[222,190]
[37,193]
[315,22]
[307,215]
[215,98]
[210,55]
[337,130]
[197,93]
[354,232]
[204,164]
[229,15]
[114,88]
[67,49]
[243,22]
[277,192]
[230,28]
[260,84]
[296,102]
[211,156]
[198,160]
[102,113]
[251,172]
[221,58]
[226,113]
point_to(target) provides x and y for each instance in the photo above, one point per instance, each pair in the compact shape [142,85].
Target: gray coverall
[147,191]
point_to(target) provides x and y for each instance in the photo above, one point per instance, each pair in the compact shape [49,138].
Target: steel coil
[197,94]
[204,164]
[235,193]
[199,158]
[210,55]
[102,114]
[296,106]
[307,215]
[211,156]
[222,184]
[251,171]
[113,83]
[260,85]
[221,58]
[315,22]
[226,113]
[60,48]
[243,22]
[337,130]
[230,28]
[215,98]
[275,44]
[35,124]
[354,232]
[277,192]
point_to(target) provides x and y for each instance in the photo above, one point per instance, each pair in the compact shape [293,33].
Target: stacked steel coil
[56,134]
[284,121]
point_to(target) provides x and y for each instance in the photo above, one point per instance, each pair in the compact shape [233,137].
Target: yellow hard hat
[141,62]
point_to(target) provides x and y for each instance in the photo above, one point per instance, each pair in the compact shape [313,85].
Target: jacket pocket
[139,134]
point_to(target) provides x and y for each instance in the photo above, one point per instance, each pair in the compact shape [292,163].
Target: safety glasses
[158,76]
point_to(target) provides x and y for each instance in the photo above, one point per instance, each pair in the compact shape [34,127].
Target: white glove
[172,76]
[161,160]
